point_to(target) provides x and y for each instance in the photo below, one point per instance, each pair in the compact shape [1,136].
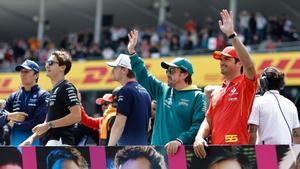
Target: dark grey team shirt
[62,97]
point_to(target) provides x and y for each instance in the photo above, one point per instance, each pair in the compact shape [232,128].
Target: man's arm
[226,26]
[117,129]
[90,121]
[73,117]
[199,109]
[296,135]
[252,130]
[39,113]
[29,140]
[6,116]
[149,82]
[203,132]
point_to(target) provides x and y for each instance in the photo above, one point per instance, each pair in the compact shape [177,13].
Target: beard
[170,82]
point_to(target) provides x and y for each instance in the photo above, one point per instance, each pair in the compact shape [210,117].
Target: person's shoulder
[68,85]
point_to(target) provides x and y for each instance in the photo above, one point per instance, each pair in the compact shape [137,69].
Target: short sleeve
[254,116]
[70,95]
[124,102]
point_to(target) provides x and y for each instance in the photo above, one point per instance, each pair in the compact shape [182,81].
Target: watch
[50,124]
[232,35]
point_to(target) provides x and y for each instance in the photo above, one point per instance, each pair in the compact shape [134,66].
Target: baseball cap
[29,65]
[180,63]
[122,60]
[106,98]
[228,51]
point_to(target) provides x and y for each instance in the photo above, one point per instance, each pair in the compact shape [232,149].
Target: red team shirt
[229,110]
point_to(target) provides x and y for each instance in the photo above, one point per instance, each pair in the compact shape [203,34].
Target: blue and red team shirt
[134,102]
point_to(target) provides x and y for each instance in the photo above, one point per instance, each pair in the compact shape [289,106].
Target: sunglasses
[171,70]
[51,62]
[106,103]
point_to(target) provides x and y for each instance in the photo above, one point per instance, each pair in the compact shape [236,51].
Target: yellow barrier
[96,75]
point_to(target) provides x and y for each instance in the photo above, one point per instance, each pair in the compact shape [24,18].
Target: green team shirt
[179,113]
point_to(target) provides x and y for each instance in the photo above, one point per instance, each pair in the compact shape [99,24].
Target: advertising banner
[96,75]
[233,157]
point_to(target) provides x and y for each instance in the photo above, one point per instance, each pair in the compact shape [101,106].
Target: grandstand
[190,29]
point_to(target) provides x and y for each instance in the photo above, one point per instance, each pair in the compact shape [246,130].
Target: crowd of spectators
[193,38]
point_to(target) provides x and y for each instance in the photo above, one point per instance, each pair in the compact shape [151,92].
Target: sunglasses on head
[51,62]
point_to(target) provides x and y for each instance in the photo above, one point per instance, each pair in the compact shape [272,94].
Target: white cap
[122,60]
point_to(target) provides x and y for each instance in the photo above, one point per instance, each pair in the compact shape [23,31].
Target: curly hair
[156,159]
[66,153]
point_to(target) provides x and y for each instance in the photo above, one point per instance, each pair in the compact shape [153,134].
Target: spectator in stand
[226,120]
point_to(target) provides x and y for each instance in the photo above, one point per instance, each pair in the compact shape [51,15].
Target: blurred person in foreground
[229,108]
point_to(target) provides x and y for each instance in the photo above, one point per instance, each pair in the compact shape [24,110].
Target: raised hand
[226,24]
[133,37]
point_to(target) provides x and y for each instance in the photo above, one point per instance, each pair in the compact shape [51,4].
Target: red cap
[106,98]
[228,51]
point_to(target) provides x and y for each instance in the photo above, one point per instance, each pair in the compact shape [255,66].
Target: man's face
[117,73]
[52,67]
[65,164]
[10,166]
[153,109]
[28,77]
[229,66]
[175,76]
[227,164]
[105,105]
[139,163]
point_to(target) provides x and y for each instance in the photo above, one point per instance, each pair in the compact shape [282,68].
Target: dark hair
[10,155]
[156,160]
[37,79]
[66,153]
[271,79]
[130,74]
[238,60]
[188,79]
[115,96]
[64,59]
[228,153]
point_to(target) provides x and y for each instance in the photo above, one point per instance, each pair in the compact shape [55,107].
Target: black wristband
[232,36]
[179,140]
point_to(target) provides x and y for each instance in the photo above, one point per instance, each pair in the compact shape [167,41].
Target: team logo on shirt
[233,92]
[184,102]
[120,98]
[233,95]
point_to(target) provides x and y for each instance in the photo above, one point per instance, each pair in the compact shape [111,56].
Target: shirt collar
[234,81]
